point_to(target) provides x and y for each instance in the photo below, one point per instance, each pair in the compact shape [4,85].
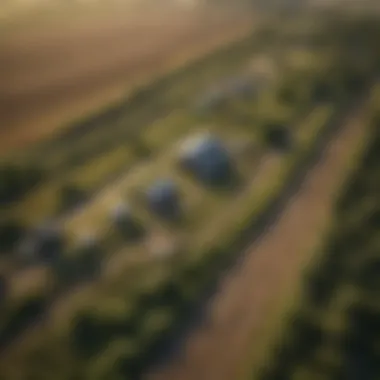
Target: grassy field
[143,290]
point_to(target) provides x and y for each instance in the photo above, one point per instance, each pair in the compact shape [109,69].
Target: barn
[163,198]
[205,157]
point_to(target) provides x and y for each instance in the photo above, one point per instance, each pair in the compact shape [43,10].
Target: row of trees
[351,256]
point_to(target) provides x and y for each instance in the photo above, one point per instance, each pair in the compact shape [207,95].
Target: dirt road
[52,74]
[248,295]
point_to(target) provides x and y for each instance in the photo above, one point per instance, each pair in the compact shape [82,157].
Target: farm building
[124,221]
[211,101]
[244,87]
[163,199]
[44,244]
[236,87]
[206,157]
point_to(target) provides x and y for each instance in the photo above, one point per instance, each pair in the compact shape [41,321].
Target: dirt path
[52,75]
[237,315]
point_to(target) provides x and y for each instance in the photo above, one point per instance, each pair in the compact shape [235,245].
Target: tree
[16,180]
[88,335]
[11,233]
[71,196]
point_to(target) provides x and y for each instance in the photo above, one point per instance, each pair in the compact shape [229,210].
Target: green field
[141,294]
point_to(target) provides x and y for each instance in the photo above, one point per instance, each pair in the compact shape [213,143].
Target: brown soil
[238,314]
[52,74]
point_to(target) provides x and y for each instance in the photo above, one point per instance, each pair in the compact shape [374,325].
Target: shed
[241,87]
[205,156]
[211,100]
[44,243]
[164,199]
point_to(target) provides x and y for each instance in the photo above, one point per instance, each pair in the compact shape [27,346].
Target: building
[164,199]
[241,87]
[212,100]
[205,157]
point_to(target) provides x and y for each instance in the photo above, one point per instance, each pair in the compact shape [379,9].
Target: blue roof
[203,146]
[163,198]
[206,156]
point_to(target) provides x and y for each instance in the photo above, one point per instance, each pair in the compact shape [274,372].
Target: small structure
[241,87]
[124,221]
[44,244]
[206,157]
[164,199]
[211,101]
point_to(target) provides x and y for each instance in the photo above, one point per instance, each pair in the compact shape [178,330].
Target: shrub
[11,234]
[71,196]
[16,180]
[88,335]
[23,315]
[278,136]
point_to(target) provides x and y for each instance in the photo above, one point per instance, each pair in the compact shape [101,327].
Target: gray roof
[121,211]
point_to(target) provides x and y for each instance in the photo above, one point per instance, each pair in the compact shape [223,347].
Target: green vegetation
[333,332]
[113,327]
[335,328]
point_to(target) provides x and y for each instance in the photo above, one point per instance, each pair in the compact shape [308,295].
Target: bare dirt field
[238,315]
[58,71]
